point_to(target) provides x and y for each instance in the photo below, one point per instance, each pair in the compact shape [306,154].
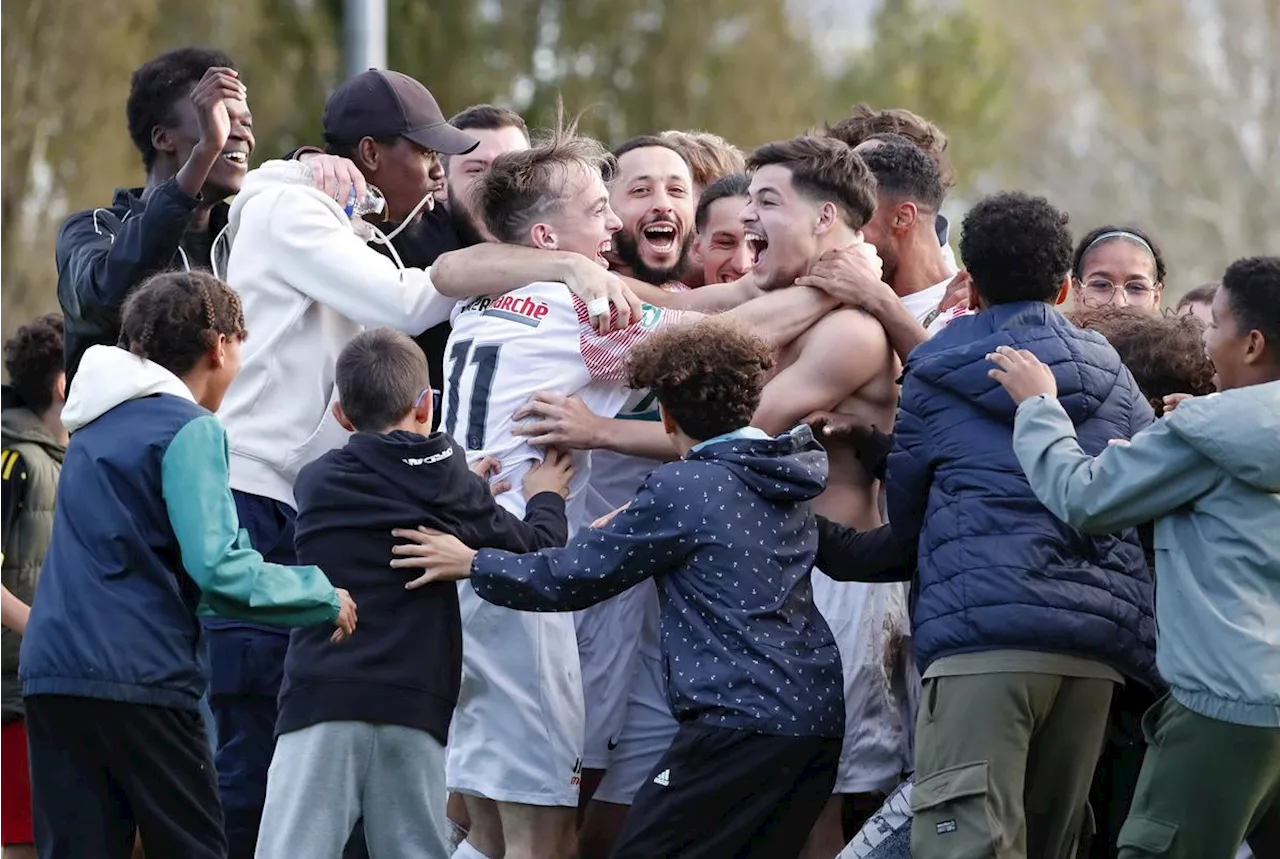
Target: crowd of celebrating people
[444,490]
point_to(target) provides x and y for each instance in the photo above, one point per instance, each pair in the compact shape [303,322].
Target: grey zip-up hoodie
[1209,474]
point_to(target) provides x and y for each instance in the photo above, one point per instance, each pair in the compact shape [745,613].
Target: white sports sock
[466,851]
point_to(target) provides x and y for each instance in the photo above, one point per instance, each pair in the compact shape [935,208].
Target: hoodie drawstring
[385,239]
[213,252]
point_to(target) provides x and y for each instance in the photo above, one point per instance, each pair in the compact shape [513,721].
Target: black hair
[1253,294]
[160,84]
[733,185]
[351,149]
[1016,248]
[644,141]
[1087,244]
[175,318]
[380,374]
[33,360]
[904,170]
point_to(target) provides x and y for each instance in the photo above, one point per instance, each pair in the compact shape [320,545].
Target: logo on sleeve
[650,316]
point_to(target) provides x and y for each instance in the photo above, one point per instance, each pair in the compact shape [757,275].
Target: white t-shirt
[923,305]
[503,349]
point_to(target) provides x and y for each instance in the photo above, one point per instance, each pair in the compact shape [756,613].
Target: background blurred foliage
[1163,113]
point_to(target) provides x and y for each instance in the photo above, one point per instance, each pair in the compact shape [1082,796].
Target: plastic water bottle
[372,203]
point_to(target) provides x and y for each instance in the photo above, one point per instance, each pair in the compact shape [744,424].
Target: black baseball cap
[384,104]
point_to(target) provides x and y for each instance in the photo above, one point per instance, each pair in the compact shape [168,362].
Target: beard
[464,225]
[627,250]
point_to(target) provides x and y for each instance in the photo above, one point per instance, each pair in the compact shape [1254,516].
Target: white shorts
[608,635]
[646,735]
[516,734]
[870,623]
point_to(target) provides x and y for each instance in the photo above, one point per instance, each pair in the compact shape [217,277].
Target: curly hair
[823,168]
[903,170]
[522,187]
[864,123]
[1253,294]
[1016,248]
[710,156]
[707,375]
[1164,353]
[159,85]
[33,359]
[175,318]
[1090,241]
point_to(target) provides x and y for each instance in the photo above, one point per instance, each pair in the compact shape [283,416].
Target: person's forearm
[875,556]
[13,611]
[490,268]
[191,177]
[903,330]
[715,298]
[645,439]
[784,314]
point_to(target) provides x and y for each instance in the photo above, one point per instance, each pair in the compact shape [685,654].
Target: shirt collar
[745,432]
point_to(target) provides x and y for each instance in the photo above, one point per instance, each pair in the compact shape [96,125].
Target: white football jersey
[505,348]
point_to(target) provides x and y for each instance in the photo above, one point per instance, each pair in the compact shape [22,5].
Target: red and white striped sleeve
[606,355]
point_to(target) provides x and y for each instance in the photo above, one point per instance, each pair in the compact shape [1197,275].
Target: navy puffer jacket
[997,570]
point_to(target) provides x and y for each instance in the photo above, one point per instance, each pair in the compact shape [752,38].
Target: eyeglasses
[1100,292]
[435,399]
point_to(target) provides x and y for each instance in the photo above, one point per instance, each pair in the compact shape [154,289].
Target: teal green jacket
[1209,475]
[145,536]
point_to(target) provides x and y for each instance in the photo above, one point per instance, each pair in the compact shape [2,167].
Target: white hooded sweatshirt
[309,285]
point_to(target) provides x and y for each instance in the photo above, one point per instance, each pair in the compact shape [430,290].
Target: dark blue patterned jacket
[729,535]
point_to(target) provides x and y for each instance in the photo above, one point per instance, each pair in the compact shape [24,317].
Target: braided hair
[175,318]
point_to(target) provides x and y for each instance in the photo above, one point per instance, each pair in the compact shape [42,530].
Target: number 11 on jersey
[486,360]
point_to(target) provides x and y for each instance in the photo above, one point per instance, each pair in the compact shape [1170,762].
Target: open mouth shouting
[605,247]
[662,238]
[758,244]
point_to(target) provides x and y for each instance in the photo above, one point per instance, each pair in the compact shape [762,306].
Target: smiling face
[782,227]
[582,222]
[228,172]
[465,170]
[652,192]
[721,249]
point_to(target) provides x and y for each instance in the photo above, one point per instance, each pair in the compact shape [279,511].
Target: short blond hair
[710,156]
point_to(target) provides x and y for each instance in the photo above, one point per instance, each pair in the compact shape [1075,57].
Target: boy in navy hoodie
[145,534]
[729,535]
[362,728]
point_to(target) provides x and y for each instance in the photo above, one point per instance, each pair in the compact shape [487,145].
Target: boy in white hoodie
[310,283]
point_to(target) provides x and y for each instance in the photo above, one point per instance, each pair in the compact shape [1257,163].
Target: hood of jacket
[791,467]
[110,376]
[1238,430]
[272,176]
[1084,365]
[19,424]
[417,463]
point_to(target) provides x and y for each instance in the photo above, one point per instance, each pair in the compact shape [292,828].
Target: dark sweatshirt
[404,663]
[729,536]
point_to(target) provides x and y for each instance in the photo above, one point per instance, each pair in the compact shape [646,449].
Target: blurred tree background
[1162,113]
